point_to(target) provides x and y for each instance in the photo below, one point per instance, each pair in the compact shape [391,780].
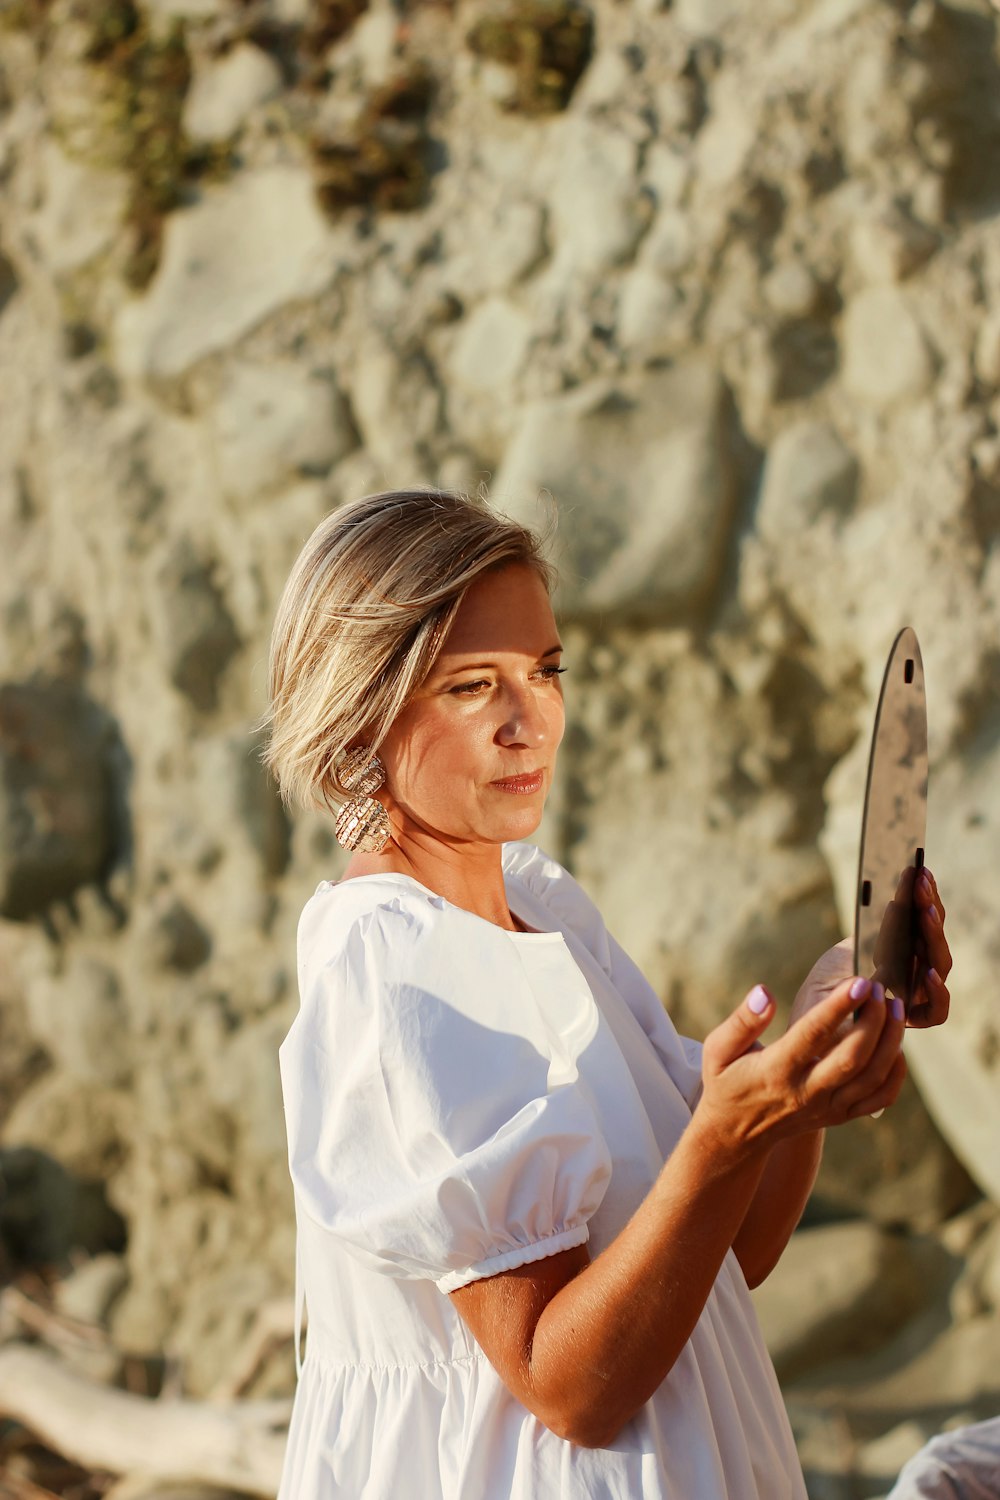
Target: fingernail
[878,992]
[860,989]
[758,1000]
[934,914]
[896,1008]
[934,976]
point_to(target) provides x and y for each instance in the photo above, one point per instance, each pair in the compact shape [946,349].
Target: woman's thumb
[738,1033]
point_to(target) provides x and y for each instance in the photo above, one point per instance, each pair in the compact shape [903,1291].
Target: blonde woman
[528,1212]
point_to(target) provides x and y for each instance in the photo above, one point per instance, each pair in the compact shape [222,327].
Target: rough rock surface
[736,307]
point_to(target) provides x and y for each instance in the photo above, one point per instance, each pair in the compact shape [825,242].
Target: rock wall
[723,281]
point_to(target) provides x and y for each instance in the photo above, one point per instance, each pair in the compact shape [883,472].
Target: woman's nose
[523,724]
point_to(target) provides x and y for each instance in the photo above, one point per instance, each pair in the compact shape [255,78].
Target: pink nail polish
[758,1000]
[934,914]
[934,976]
[896,1008]
[878,992]
[860,989]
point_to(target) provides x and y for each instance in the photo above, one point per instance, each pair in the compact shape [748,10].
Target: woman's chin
[522,822]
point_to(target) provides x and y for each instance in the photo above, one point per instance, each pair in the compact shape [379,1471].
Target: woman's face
[471,757]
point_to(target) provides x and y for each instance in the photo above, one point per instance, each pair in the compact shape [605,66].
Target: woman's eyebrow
[479,666]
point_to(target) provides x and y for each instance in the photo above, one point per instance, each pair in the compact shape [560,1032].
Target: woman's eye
[470,688]
[551,673]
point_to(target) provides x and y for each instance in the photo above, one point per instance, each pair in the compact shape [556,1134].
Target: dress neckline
[534,936]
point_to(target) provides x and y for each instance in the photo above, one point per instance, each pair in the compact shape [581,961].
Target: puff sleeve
[437,1125]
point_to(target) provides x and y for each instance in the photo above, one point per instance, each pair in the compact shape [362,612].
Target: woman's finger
[938,951]
[887,1093]
[809,1040]
[870,1078]
[928,892]
[739,1033]
[850,1058]
[932,1002]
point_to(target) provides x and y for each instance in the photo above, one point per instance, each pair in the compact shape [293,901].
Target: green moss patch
[548,44]
[384,163]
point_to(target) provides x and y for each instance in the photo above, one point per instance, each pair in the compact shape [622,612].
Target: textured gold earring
[363,822]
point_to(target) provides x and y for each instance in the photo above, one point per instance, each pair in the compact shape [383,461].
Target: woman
[528,1212]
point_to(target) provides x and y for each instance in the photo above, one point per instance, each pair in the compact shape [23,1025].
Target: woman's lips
[523,784]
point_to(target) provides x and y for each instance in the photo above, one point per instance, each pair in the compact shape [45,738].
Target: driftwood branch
[239,1446]
[56,1329]
[273,1326]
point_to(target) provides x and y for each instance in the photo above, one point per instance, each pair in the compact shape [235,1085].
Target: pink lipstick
[532,782]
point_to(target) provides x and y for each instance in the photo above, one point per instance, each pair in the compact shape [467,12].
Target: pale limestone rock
[84,1126]
[166,11]
[245,250]
[498,82]
[396,403]
[809,473]
[725,143]
[790,289]
[883,1458]
[668,247]
[510,244]
[596,212]
[706,17]
[894,1170]
[196,631]
[667,171]
[989,1259]
[373,42]
[81,212]
[642,472]
[842,1289]
[888,248]
[224,91]
[647,313]
[79,1016]
[276,420]
[987,356]
[491,347]
[886,358]
[605,81]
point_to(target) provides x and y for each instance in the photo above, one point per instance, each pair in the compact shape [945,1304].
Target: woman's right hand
[827,1068]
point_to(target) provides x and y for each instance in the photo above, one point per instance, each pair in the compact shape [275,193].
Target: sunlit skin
[491,709]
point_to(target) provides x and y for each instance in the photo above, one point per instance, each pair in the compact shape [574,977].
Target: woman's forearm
[777,1205]
[608,1338]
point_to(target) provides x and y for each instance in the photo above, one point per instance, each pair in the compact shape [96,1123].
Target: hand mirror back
[893,830]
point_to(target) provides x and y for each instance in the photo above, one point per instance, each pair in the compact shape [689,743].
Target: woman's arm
[585,1344]
[784,1188]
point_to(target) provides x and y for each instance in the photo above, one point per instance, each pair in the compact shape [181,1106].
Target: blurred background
[719,284]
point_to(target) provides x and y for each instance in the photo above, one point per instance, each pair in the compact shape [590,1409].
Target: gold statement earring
[362,823]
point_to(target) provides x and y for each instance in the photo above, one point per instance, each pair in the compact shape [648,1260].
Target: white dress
[460,1100]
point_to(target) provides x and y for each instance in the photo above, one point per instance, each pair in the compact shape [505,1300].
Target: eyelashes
[473,689]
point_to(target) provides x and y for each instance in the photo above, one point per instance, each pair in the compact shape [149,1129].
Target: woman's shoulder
[337,910]
[393,920]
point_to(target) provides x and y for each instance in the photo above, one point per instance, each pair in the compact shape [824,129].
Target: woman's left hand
[931,999]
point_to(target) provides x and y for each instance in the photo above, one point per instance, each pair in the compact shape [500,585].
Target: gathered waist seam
[316,1356]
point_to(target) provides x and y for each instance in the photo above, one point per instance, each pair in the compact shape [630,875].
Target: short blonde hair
[362,619]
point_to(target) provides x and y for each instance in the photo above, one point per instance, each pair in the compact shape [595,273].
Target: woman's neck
[469,875]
